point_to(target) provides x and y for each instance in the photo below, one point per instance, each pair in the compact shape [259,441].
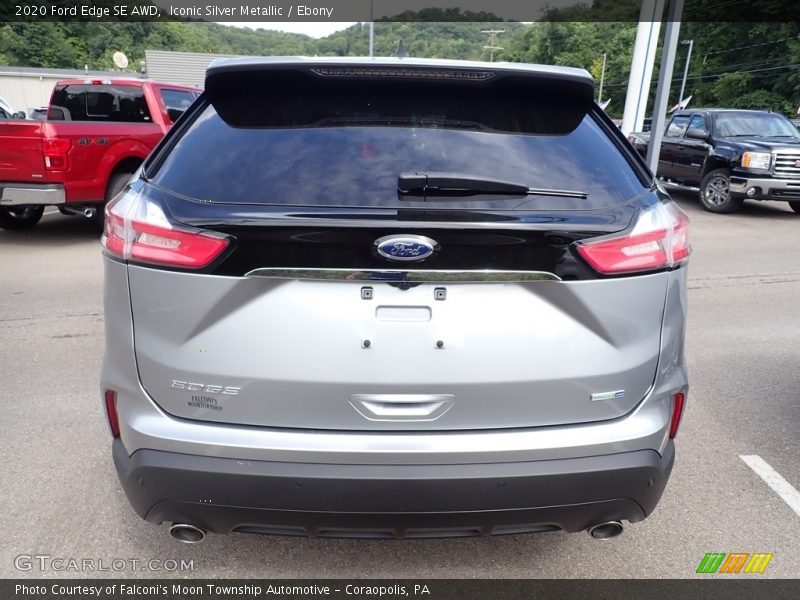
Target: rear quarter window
[677,127]
[176,102]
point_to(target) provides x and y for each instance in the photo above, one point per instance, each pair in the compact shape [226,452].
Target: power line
[750,46]
[718,75]
[712,9]
[746,71]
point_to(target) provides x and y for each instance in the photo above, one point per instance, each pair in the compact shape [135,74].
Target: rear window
[176,102]
[106,103]
[351,153]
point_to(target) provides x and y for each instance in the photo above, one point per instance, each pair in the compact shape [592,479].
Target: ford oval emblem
[405,247]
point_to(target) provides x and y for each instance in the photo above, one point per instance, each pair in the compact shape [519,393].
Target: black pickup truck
[730,155]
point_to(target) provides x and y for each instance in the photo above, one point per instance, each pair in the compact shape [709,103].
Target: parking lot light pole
[602,77]
[685,67]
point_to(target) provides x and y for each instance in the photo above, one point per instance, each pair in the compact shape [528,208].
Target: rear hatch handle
[402,407]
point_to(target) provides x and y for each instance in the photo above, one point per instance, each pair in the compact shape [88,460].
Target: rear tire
[715,193]
[20,217]
[795,206]
[115,185]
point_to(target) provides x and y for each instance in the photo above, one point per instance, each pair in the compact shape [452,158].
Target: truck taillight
[55,151]
[659,240]
[137,230]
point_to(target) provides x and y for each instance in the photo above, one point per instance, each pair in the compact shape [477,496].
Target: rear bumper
[21,194]
[765,188]
[225,495]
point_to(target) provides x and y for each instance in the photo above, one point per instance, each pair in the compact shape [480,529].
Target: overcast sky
[315,30]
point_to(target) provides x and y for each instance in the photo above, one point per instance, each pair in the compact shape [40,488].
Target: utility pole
[491,47]
[602,76]
[686,67]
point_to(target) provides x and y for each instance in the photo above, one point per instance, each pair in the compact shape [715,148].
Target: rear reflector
[137,229]
[111,411]
[658,240]
[677,412]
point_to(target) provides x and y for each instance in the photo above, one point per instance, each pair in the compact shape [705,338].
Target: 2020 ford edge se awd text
[394,298]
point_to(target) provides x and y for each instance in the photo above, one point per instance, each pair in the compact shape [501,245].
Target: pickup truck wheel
[20,217]
[715,192]
[795,206]
[115,185]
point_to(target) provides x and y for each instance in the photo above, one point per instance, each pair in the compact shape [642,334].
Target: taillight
[55,152]
[659,240]
[137,229]
[677,411]
[111,411]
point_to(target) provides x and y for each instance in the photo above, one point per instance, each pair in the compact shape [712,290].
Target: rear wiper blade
[456,185]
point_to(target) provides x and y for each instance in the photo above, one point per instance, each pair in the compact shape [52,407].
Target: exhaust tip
[88,213]
[187,534]
[606,531]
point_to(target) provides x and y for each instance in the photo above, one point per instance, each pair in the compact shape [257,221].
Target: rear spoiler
[251,64]
[259,92]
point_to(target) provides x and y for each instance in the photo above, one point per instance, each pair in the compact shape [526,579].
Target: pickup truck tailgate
[21,157]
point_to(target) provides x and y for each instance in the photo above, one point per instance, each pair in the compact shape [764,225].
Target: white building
[179,67]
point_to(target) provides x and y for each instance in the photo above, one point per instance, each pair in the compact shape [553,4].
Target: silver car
[394,298]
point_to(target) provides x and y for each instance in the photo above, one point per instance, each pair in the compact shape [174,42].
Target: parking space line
[773,479]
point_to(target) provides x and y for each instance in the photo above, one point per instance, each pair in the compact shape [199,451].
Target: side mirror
[697,134]
[20,114]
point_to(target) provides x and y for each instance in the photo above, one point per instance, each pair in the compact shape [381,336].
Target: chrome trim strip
[402,407]
[406,275]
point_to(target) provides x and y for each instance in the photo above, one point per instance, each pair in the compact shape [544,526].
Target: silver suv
[394,298]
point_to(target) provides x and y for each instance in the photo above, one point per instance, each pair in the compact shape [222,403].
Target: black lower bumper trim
[225,495]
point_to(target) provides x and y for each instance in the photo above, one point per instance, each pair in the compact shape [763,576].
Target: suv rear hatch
[285,307]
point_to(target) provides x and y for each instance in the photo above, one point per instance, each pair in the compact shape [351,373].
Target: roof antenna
[400,52]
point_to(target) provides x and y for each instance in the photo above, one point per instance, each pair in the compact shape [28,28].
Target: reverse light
[111,412]
[756,160]
[678,401]
[136,229]
[659,240]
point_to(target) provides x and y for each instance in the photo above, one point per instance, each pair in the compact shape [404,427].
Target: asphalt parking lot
[61,498]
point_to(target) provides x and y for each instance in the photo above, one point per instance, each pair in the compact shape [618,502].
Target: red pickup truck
[96,134]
